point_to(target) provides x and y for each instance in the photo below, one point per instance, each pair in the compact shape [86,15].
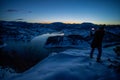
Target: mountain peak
[87,23]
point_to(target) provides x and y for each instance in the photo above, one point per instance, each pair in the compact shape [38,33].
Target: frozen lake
[26,53]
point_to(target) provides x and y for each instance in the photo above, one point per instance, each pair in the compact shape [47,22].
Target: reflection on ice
[38,42]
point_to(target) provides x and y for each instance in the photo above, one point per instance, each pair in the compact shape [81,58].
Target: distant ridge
[87,23]
[57,23]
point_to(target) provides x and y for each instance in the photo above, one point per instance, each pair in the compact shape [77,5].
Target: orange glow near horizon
[76,22]
[72,22]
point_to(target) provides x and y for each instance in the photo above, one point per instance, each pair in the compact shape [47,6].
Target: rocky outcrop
[66,41]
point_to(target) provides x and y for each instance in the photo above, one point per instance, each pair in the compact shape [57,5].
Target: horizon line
[60,22]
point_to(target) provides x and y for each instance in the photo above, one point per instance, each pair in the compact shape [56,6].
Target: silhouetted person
[97,43]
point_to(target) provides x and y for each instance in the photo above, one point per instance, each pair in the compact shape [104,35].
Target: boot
[91,56]
[98,60]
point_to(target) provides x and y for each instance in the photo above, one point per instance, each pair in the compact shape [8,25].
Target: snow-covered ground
[72,64]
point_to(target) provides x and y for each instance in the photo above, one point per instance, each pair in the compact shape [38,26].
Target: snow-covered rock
[66,41]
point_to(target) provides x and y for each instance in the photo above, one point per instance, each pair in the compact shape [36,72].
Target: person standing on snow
[97,43]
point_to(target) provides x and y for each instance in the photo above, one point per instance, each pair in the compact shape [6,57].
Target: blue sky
[68,11]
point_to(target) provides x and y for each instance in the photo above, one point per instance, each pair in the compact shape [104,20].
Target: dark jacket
[98,37]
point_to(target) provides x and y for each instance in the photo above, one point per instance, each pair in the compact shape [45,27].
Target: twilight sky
[68,11]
